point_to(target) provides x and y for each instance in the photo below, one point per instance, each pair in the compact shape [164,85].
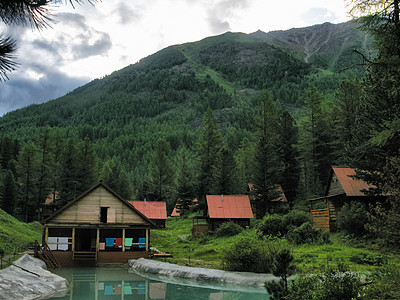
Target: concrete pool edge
[27,278]
[238,281]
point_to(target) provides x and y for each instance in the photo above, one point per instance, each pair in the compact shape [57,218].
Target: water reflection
[117,283]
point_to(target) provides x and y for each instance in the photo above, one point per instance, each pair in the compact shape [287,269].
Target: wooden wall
[87,210]
[334,187]
[104,258]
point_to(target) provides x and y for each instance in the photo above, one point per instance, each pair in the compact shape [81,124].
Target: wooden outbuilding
[154,211]
[223,208]
[342,187]
[277,203]
[98,227]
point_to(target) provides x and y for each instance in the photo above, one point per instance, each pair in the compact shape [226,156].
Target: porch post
[147,239]
[123,239]
[97,239]
[73,239]
[46,234]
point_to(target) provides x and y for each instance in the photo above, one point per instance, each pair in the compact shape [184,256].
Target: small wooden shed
[342,187]
[98,227]
[155,211]
[223,208]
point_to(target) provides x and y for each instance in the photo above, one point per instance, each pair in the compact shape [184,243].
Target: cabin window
[103,214]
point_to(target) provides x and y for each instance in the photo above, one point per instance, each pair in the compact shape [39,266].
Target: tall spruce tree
[289,136]
[348,95]
[267,160]
[161,175]
[115,176]
[223,172]
[245,165]
[185,184]
[27,177]
[315,143]
[209,144]
[8,193]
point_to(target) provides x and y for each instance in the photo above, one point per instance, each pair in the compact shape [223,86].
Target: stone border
[238,281]
[27,278]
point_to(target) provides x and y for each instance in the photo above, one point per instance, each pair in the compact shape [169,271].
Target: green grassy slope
[208,251]
[16,235]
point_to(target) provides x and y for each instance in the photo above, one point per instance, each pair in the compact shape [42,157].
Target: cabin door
[85,239]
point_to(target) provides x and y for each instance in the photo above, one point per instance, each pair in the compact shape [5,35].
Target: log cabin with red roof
[223,208]
[98,227]
[154,211]
[342,187]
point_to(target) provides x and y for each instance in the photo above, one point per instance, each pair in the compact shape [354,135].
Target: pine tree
[45,163]
[161,174]
[185,187]
[87,173]
[245,165]
[315,143]
[289,136]
[8,193]
[27,176]
[268,164]
[223,173]
[208,146]
[115,176]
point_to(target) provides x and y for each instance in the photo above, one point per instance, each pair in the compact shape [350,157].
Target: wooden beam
[123,243]
[147,239]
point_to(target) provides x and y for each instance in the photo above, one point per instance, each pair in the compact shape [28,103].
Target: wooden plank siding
[87,210]
[321,218]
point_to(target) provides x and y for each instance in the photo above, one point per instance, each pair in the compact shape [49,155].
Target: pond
[118,283]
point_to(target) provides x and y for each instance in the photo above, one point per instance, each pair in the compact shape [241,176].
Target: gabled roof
[229,207]
[51,197]
[281,198]
[352,186]
[100,184]
[175,212]
[151,209]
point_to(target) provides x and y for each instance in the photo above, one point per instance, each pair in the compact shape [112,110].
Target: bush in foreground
[228,229]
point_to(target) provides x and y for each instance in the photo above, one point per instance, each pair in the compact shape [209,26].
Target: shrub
[248,254]
[369,259]
[296,218]
[335,282]
[273,225]
[352,218]
[307,234]
[228,229]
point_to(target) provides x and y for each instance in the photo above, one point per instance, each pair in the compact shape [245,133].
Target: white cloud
[92,41]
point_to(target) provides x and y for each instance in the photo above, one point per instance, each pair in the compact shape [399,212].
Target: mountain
[167,93]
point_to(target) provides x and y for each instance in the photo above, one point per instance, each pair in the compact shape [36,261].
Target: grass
[15,235]
[208,251]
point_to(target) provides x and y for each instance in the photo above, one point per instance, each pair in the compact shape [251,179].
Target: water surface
[117,283]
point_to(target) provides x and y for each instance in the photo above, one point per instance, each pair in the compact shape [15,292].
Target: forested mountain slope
[166,94]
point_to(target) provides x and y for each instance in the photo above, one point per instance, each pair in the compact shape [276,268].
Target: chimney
[222,198]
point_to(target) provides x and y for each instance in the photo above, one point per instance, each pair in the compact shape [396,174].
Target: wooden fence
[321,218]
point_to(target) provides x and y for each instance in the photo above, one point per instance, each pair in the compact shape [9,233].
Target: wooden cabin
[342,187]
[154,211]
[98,227]
[223,208]
[277,203]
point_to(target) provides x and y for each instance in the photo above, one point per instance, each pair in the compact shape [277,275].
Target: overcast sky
[89,42]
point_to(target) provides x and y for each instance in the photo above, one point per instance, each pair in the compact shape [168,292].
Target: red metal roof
[151,209]
[50,198]
[175,213]
[351,186]
[229,207]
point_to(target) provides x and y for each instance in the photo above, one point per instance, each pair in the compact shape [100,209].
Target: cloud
[126,14]
[22,90]
[222,11]
[318,15]
[91,43]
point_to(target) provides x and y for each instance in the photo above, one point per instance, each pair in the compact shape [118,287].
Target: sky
[91,41]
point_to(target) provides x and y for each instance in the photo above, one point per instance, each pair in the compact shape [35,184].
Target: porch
[90,246]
